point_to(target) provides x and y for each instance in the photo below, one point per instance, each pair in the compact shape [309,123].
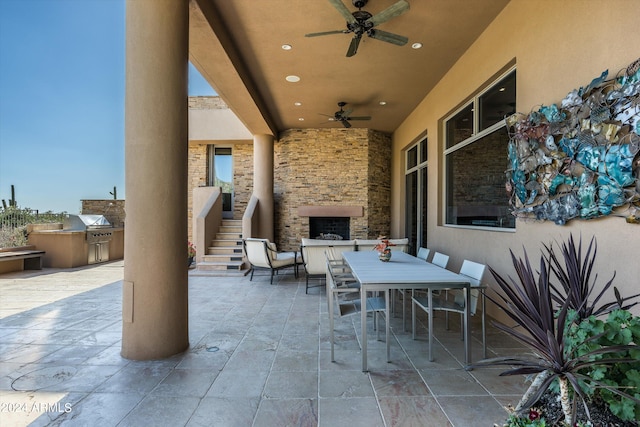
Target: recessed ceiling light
[297,104]
[383,102]
[292,79]
[301,119]
[416,46]
[502,89]
[286,47]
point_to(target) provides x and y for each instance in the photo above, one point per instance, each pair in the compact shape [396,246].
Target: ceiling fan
[343,116]
[362,22]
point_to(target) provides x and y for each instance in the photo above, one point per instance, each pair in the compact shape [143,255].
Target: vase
[385,255]
[190,259]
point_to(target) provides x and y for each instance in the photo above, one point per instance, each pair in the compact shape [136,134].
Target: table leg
[363,319]
[430,314]
[387,322]
[467,328]
[331,324]
[413,315]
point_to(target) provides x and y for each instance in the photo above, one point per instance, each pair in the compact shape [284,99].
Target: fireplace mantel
[331,211]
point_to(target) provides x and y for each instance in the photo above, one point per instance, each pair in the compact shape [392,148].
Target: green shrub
[620,328]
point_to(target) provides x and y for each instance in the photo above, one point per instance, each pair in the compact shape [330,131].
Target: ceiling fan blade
[345,113]
[343,11]
[358,118]
[388,37]
[353,46]
[392,11]
[345,123]
[326,33]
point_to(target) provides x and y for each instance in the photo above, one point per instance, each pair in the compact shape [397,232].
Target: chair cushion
[273,253]
[284,258]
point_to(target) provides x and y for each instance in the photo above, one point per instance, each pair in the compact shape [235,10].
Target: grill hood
[85,222]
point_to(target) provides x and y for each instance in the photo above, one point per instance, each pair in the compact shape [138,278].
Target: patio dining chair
[263,255]
[343,293]
[474,272]
[423,254]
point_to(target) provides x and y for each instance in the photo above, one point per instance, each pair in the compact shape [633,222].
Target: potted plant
[191,252]
[384,248]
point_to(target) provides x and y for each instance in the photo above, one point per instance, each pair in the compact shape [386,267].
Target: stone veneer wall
[331,167]
[242,176]
[318,167]
[207,103]
[197,164]
[112,209]
[379,185]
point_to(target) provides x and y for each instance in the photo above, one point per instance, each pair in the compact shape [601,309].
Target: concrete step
[220,266]
[228,236]
[225,250]
[232,223]
[222,258]
[226,242]
[230,229]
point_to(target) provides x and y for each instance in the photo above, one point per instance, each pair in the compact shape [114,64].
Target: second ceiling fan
[343,116]
[362,22]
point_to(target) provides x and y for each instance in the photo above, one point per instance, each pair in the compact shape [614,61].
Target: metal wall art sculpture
[579,159]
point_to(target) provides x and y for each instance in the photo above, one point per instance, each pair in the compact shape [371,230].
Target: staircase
[225,256]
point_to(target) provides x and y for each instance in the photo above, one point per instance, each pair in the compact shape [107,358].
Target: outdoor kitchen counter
[69,248]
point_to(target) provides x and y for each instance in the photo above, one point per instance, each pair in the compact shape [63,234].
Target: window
[476,158]
[416,195]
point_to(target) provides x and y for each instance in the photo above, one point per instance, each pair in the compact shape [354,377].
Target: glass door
[221,175]
[416,196]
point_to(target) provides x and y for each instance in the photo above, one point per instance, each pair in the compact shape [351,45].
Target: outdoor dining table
[404,271]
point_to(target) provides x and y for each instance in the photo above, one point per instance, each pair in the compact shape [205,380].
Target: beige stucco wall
[556,46]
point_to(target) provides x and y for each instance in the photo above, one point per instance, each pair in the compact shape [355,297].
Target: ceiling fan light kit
[361,22]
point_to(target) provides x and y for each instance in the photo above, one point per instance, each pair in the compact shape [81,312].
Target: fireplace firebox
[329,228]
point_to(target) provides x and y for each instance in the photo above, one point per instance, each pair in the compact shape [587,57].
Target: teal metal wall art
[579,159]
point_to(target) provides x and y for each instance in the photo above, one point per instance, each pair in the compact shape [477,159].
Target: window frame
[420,167]
[476,135]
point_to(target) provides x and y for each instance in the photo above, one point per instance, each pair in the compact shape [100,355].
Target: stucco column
[154,305]
[263,182]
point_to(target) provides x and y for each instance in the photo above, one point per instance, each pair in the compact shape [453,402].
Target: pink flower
[534,414]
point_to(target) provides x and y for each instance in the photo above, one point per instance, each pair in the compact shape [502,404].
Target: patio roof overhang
[237,47]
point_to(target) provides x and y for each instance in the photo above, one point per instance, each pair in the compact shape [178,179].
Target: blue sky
[62,80]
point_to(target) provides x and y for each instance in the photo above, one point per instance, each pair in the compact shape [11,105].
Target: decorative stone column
[263,183]
[155,293]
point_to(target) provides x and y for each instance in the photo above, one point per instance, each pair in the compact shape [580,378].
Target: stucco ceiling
[237,47]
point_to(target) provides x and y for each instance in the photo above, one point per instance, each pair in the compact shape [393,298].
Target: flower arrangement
[384,244]
[383,248]
[191,250]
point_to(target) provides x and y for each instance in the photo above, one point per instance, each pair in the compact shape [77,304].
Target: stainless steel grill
[99,232]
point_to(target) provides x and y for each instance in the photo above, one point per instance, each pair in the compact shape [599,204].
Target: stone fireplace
[331,173]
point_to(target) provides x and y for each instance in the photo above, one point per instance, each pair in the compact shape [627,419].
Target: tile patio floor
[259,356]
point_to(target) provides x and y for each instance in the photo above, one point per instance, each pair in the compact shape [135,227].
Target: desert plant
[529,303]
[573,272]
